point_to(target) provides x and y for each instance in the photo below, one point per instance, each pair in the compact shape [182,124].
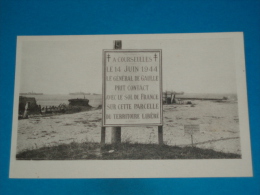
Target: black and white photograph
[174,102]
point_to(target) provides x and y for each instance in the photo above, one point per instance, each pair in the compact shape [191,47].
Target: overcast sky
[60,66]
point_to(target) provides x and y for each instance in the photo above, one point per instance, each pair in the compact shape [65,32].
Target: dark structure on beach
[28,106]
[79,102]
[31,101]
[169,97]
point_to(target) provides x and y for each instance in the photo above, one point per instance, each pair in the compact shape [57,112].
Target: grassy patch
[123,151]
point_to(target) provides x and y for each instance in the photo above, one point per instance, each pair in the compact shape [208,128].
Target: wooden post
[117,44]
[116,131]
[103,135]
[116,135]
[160,135]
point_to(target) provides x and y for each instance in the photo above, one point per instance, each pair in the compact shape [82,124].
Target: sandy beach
[219,128]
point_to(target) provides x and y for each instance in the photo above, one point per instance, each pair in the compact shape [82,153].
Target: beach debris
[54,109]
[180,101]
[169,97]
[111,151]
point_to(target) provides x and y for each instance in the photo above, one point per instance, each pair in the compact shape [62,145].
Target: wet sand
[219,128]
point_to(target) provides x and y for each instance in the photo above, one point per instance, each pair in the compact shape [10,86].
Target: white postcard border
[140,168]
